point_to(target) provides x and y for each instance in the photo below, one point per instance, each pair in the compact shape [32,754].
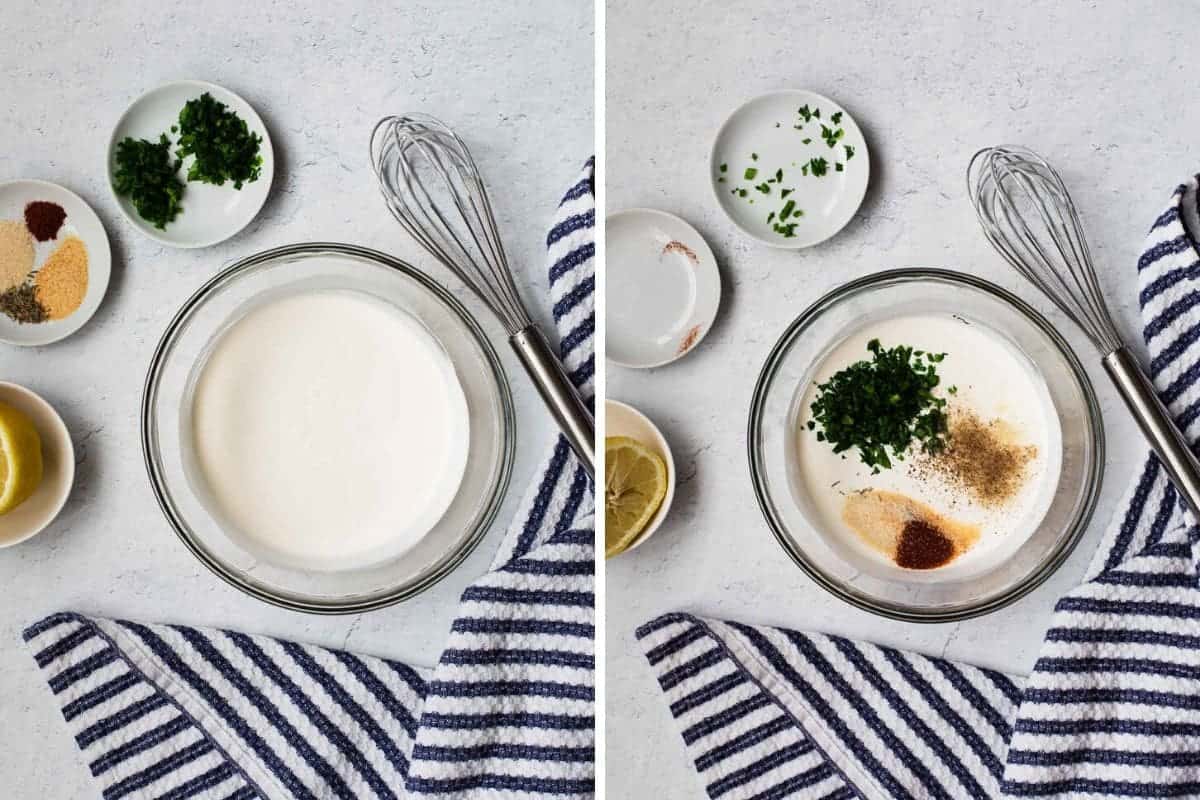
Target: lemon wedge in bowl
[635,483]
[20,458]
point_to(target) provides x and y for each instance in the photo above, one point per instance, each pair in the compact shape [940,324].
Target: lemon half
[635,483]
[20,458]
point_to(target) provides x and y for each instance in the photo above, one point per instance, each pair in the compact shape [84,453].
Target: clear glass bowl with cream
[955,531]
[326,428]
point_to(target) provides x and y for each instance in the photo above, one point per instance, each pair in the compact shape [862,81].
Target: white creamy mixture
[994,380]
[330,430]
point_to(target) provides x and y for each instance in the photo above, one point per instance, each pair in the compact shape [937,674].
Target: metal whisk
[1027,215]
[433,188]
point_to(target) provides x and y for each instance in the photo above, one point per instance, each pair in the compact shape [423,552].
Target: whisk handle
[558,393]
[1156,424]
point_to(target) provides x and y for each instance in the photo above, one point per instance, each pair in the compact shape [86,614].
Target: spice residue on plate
[62,281]
[981,457]
[16,254]
[910,533]
[689,340]
[44,219]
[683,250]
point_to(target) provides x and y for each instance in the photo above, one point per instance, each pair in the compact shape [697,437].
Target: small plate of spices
[54,262]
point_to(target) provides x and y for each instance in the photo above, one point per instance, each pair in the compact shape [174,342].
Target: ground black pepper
[923,546]
[43,219]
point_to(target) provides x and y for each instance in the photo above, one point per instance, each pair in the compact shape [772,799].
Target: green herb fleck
[849,151]
[786,192]
[765,188]
[806,141]
[750,173]
[145,174]
[881,406]
[836,118]
[786,211]
[805,113]
[724,167]
[818,167]
[839,166]
[224,147]
[754,156]
[831,136]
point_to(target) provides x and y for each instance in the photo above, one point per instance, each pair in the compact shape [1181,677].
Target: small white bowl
[58,457]
[81,221]
[663,288]
[209,214]
[764,127]
[621,419]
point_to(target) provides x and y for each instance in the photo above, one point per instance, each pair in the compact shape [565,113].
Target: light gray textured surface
[515,79]
[1104,90]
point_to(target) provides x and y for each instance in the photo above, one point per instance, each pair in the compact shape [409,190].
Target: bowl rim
[1066,543]
[154,471]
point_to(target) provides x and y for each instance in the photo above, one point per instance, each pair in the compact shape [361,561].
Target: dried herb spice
[882,405]
[20,303]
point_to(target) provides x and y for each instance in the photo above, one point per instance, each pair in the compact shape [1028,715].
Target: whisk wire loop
[1028,215]
[434,190]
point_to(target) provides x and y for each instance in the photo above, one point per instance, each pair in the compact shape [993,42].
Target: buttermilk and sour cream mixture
[953,514]
[330,430]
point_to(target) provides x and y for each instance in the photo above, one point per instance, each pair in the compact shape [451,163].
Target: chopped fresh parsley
[750,173]
[836,119]
[881,405]
[146,174]
[805,113]
[818,167]
[831,136]
[839,166]
[222,143]
[849,151]
[724,167]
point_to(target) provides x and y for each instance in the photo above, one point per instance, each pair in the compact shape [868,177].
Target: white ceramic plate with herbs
[69,264]
[790,168]
[663,287]
[209,213]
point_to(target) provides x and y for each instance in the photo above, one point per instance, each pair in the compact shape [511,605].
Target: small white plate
[210,214]
[766,127]
[621,419]
[81,221]
[58,459]
[663,287]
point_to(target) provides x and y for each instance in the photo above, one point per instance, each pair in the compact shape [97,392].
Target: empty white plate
[663,287]
[785,175]
[58,468]
[81,221]
[210,214]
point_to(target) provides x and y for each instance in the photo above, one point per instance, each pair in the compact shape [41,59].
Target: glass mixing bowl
[168,447]
[775,416]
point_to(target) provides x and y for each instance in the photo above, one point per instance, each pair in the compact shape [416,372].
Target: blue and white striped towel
[1112,708]
[171,712]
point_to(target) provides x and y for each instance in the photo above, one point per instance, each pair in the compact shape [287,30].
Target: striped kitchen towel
[1112,709]
[172,712]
